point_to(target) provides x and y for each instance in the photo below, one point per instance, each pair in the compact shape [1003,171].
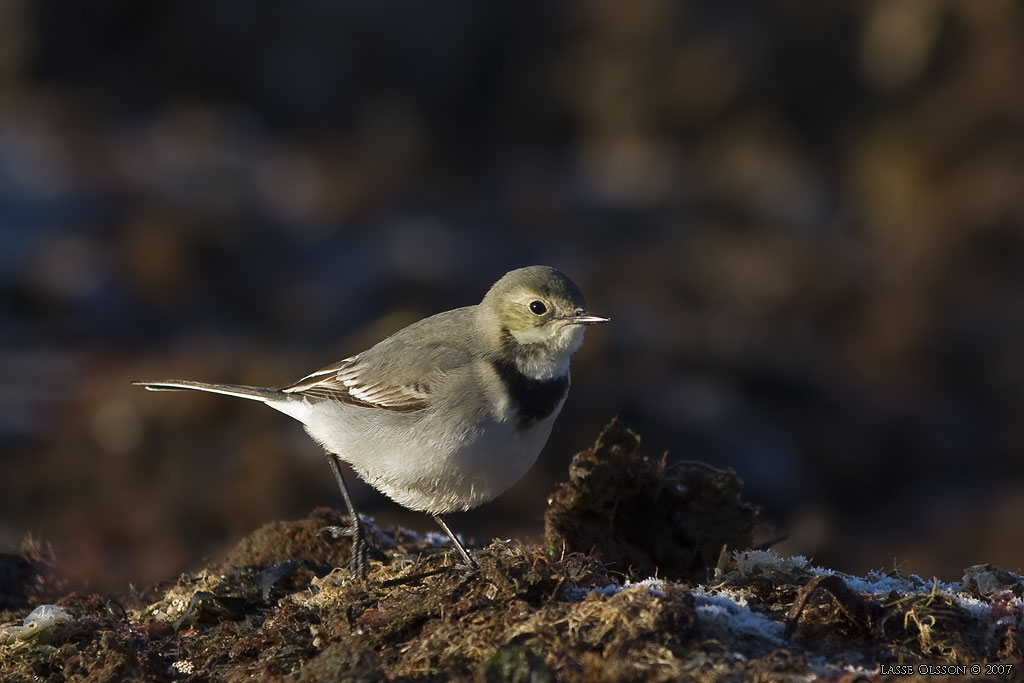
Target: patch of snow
[978,609]
[736,595]
[880,583]
[764,561]
[656,587]
[721,612]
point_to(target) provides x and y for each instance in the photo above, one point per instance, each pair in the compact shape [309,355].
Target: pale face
[543,325]
[537,317]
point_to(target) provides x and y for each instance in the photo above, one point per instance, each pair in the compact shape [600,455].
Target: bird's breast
[530,400]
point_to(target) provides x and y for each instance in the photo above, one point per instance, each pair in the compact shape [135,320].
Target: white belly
[430,464]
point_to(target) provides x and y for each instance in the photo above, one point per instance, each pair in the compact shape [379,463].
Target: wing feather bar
[342,382]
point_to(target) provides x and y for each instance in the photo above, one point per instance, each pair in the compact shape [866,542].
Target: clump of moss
[643,517]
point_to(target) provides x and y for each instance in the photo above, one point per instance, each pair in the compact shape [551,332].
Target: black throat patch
[534,399]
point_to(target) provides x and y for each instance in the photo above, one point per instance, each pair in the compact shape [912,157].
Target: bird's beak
[585,318]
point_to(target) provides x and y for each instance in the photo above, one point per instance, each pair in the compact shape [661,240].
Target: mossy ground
[577,607]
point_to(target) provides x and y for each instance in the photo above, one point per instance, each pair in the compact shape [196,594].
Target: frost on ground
[278,605]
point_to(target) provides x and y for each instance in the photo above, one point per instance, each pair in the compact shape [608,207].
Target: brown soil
[582,607]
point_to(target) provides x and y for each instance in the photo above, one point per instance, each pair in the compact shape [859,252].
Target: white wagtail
[449,412]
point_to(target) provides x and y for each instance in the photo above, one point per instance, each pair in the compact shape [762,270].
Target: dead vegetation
[582,607]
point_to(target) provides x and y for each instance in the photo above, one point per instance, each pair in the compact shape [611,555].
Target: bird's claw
[363,548]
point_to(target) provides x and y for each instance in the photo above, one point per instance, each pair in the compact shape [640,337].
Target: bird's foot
[363,548]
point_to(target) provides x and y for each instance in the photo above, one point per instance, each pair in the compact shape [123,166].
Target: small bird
[447,413]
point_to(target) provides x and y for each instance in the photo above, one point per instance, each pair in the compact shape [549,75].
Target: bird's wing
[394,375]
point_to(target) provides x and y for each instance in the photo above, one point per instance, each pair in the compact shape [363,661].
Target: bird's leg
[359,565]
[469,561]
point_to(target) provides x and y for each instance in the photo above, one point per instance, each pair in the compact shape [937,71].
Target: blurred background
[806,220]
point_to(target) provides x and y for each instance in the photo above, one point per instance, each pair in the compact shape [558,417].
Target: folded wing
[401,378]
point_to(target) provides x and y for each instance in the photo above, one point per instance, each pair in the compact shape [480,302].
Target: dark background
[805,219]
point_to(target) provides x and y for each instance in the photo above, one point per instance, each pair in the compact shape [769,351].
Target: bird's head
[537,316]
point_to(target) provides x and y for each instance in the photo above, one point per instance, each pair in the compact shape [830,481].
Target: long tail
[239,390]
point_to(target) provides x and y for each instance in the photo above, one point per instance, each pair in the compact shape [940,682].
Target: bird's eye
[538,307]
